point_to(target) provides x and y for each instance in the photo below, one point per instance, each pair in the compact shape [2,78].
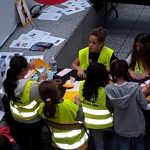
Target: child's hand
[144,89]
[43,76]
[143,75]
[133,75]
[81,73]
[31,65]
[77,100]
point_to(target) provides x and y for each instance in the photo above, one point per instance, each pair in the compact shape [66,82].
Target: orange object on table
[70,95]
[40,62]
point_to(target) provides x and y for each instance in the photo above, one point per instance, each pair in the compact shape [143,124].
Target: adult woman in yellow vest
[136,69]
[24,102]
[95,52]
[93,101]
[60,115]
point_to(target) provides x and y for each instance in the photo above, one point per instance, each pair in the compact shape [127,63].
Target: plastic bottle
[53,64]
[137,72]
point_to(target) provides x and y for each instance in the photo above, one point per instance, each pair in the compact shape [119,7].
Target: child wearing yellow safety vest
[95,52]
[60,115]
[23,102]
[136,70]
[93,100]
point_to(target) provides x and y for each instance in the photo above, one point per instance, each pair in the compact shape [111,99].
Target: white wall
[9,18]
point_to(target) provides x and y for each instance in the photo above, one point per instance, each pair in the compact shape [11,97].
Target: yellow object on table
[70,95]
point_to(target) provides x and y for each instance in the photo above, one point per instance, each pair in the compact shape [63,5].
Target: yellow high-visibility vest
[65,133]
[138,67]
[104,57]
[97,116]
[25,109]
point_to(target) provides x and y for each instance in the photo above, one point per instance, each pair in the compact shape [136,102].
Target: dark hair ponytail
[50,94]
[17,63]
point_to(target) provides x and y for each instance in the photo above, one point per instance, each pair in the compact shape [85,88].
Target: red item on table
[50,2]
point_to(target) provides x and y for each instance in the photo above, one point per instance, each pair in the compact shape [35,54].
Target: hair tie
[48,100]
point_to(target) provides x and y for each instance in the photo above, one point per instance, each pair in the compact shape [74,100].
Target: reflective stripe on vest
[66,132]
[99,122]
[97,119]
[96,113]
[75,145]
[104,58]
[25,109]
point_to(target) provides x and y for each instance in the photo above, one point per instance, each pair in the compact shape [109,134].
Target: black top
[94,57]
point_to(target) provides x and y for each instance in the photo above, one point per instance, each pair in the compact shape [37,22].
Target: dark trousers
[132,143]
[27,136]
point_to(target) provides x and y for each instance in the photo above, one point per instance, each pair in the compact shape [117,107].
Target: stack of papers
[34,36]
[69,7]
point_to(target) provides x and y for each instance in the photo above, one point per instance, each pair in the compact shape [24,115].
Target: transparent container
[53,64]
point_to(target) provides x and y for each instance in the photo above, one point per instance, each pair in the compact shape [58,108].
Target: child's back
[127,100]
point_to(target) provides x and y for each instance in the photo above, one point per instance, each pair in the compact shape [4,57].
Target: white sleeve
[128,59]
[148,107]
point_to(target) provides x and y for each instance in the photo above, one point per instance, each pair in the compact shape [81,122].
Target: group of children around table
[100,106]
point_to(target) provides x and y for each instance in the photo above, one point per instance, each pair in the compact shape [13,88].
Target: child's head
[96,74]
[18,64]
[50,94]
[96,39]
[18,67]
[97,77]
[119,69]
[140,40]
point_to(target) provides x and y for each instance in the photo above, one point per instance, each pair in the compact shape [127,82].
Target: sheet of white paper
[50,16]
[9,55]
[64,72]
[52,39]
[76,86]
[33,58]
[53,9]
[21,44]
[33,33]
[72,10]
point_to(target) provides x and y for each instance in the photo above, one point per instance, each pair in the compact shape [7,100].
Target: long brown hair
[142,38]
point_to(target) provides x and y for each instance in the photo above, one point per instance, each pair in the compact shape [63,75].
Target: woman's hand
[81,73]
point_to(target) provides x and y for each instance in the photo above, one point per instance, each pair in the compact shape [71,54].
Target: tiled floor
[132,20]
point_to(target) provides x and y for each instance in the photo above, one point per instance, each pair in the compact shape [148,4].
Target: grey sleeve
[34,93]
[141,99]
[80,114]
[109,105]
